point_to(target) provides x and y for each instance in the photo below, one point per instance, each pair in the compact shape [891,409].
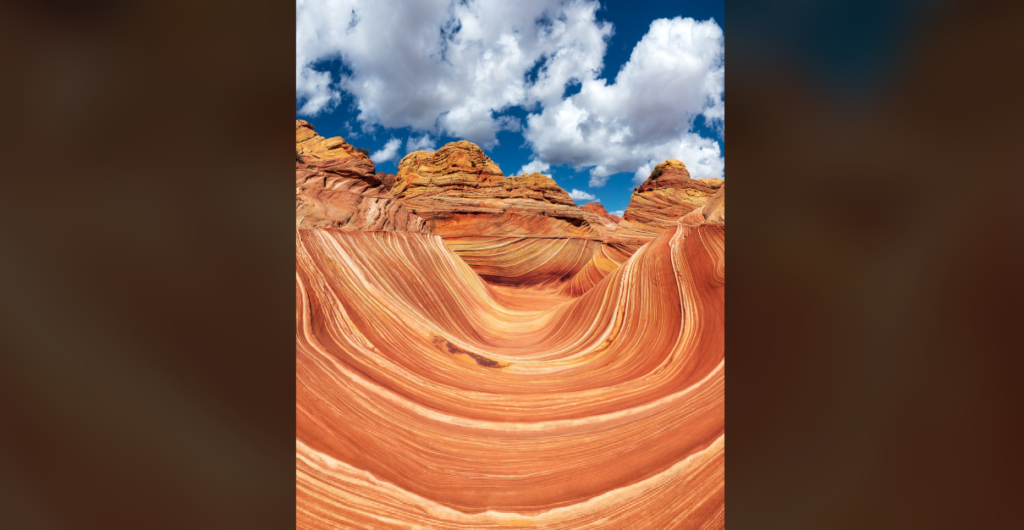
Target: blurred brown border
[874,255]
[147,378]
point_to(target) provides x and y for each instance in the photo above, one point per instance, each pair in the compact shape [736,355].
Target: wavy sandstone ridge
[429,398]
[513,230]
[444,402]
[668,194]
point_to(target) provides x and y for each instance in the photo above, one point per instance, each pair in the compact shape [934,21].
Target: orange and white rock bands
[476,351]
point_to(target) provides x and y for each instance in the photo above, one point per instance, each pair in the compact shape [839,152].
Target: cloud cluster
[674,75]
[453,67]
[703,158]
[387,152]
[535,166]
[422,143]
[578,195]
[444,66]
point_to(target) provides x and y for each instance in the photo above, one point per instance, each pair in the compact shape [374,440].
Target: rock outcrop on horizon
[431,395]
[513,230]
[335,187]
[460,191]
[668,194]
[310,145]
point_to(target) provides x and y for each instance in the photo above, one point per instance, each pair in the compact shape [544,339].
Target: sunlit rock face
[310,145]
[712,213]
[511,230]
[461,192]
[668,194]
[440,383]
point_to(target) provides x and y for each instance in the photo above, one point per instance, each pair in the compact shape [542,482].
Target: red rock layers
[440,403]
[310,145]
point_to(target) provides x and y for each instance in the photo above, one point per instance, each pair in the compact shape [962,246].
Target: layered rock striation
[667,195]
[310,145]
[445,402]
[512,230]
[711,213]
[427,397]
[460,191]
[335,187]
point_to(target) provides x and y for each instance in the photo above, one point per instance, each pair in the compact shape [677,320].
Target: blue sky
[591,94]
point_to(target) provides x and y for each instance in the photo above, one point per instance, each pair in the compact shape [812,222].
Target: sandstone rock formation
[713,212]
[665,197]
[335,187]
[310,145]
[447,403]
[460,191]
[427,397]
[668,194]
[512,230]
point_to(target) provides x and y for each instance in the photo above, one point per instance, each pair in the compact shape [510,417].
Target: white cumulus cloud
[578,195]
[453,67]
[618,213]
[535,166]
[675,74]
[444,66]
[388,152]
[421,143]
[703,158]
